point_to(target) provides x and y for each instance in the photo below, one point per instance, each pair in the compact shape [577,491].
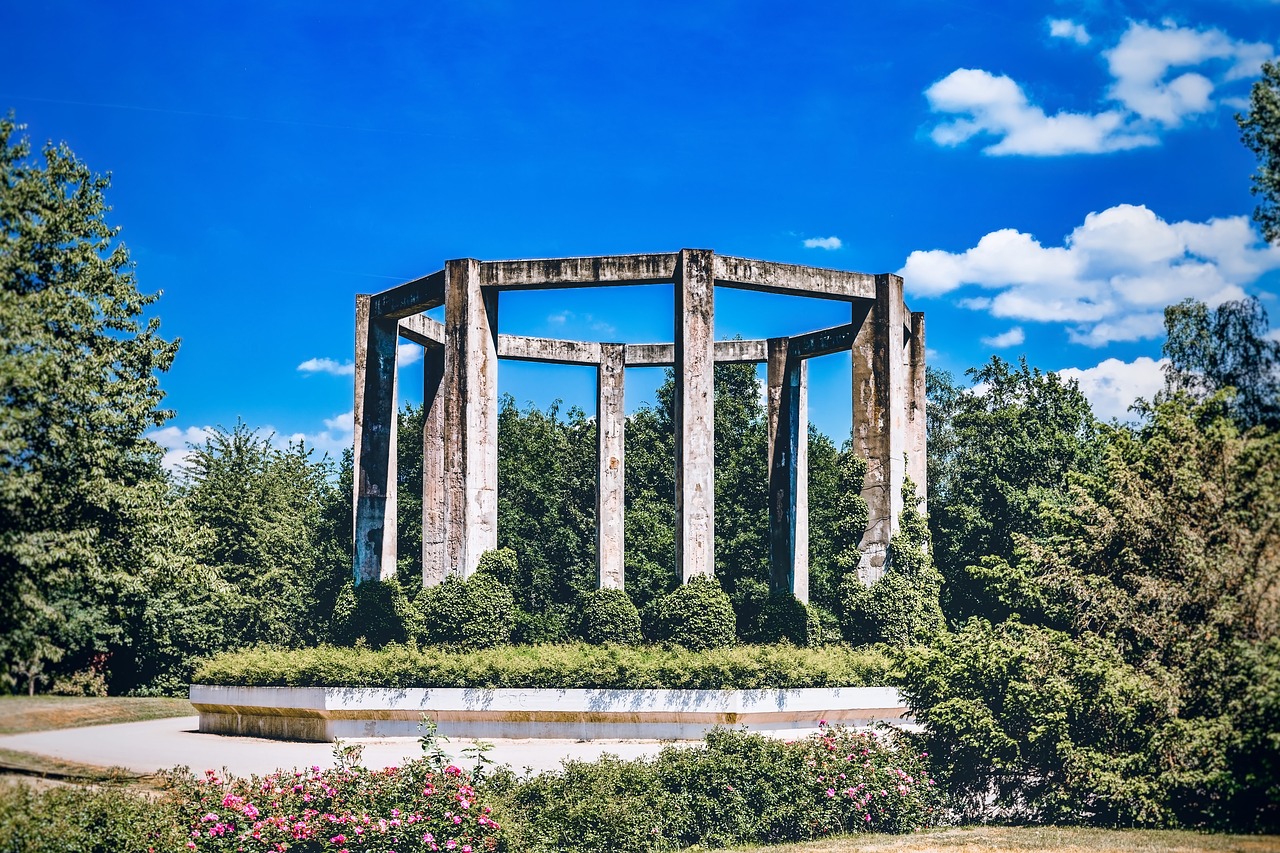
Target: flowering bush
[418,807]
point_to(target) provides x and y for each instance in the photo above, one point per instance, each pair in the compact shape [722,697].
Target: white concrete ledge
[326,713]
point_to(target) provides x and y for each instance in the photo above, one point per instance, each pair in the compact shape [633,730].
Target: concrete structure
[326,713]
[460,472]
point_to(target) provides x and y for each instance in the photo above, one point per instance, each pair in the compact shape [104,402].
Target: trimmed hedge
[610,616]
[577,665]
[476,613]
[697,615]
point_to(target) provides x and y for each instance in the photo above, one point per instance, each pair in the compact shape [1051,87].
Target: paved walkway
[158,744]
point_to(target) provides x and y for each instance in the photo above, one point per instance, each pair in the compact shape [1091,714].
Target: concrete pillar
[434,563]
[470,417]
[611,421]
[879,417]
[917,447]
[788,463]
[695,413]
[374,525]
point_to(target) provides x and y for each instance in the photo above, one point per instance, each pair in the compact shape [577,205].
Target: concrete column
[788,462]
[879,418]
[917,447]
[611,421]
[470,417]
[434,564]
[374,525]
[695,413]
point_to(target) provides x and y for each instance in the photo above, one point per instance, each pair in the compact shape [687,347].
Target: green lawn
[40,713]
[1036,839]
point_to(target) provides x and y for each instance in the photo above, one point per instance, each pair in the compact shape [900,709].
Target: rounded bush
[785,617]
[609,616]
[375,611]
[500,563]
[697,616]
[477,613]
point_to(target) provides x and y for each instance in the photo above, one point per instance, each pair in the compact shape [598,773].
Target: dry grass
[29,764]
[41,713]
[1036,839]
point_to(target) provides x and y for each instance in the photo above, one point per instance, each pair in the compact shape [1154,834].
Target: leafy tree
[1210,350]
[1260,130]
[1016,439]
[79,388]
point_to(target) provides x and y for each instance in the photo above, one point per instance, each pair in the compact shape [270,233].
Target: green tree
[1213,349]
[1260,130]
[79,390]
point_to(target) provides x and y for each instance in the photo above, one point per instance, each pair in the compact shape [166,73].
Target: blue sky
[1047,177]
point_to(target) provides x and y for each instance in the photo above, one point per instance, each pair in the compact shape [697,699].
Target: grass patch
[573,665]
[1049,839]
[44,766]
[20,714]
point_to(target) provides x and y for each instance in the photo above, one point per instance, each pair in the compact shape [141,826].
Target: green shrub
[609,616]
[577,665]
[375,611]
[500,563]
[785,617]
[697,615]
[477,613]
[74,819]
[551,626]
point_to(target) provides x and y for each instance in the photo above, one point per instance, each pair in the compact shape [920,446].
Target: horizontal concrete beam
[726,352]
[548,350]
[412,297]
[823,341]
[772,277]
[579,272]
[422,330]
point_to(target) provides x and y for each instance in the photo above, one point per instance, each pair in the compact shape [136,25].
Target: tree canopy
[1260,130]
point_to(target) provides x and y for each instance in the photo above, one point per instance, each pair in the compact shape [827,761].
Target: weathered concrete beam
[434,562]
[726,352]
[917,406]
[422,330]
[412,297]
[581,272]
[374,525]
[611,420]
[879,418]
[823,341]
[695,413]
[788,466]
[550,350]
[470,417]
[771,277]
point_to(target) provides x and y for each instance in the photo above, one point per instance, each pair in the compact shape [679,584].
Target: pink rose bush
[417,807]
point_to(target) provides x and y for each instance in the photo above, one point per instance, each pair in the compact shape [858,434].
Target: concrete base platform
[323,714]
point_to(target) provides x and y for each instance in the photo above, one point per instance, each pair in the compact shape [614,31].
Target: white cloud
[1146,99]
[1064,28]
[828,243]
[996,105]
[1011,338]
[407,354]
[1114,385]
[175,441]
[1110,278]
[334,438]
[328,365]
[1145,55]
[583,322]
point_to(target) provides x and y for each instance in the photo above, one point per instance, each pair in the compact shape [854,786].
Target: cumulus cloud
[328,365]
[176,443]
[1110,278]
[1147,97]
[828,243]
[1011,338]
[336,436]
[1114,385]
[1064,28]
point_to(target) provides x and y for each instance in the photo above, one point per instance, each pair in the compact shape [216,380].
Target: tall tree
[1260,130]
[1212,349]
[79,389]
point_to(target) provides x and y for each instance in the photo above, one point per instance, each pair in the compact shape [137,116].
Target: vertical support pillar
[470,417]
[611,423]
[879,418]
[788,452]
[374,525]
[695,413]
[434,564]
[917,403]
